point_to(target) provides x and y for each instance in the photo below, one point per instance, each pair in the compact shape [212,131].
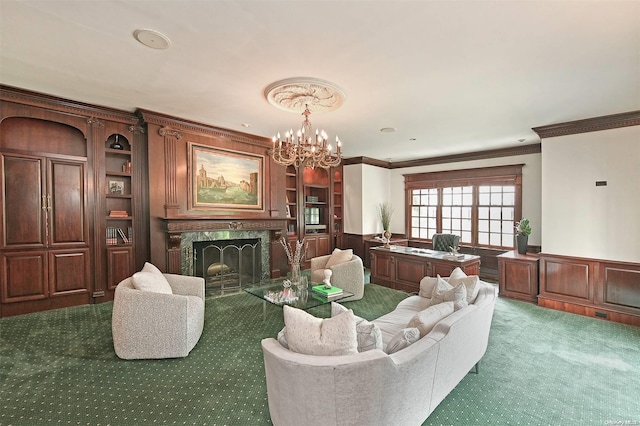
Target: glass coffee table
[301,297]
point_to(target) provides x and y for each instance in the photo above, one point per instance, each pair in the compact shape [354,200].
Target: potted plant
[523,230]
[386,211]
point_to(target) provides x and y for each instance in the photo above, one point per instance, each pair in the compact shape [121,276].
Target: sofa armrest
[186,285]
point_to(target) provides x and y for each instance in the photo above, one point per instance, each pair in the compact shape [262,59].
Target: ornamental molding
[595,124]
[294,94]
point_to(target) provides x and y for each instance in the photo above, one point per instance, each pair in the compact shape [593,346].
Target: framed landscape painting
[225,179]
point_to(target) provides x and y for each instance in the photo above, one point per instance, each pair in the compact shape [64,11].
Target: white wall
[365,187]
[379,185]
[584,220]
[352,198]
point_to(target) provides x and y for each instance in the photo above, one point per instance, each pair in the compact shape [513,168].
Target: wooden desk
[376,243]
[402,268]
[518,276]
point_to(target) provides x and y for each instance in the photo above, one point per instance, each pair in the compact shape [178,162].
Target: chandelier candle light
[305,149]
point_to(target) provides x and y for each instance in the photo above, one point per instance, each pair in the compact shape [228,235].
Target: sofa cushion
[309,335]
[403,339]
[369,335]
[444,292]
[457,273]
[471,283]
[427,319]
[427,284]
[339,256]
[151,279]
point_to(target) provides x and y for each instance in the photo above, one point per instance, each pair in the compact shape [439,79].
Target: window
[479,205]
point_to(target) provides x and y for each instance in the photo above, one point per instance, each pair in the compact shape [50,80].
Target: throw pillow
[427,319]
[148,281]
[309,335]
[444,292]
[282,338]
[369,334]
[427,284]
[471,283]
[339,256]
[404,338]
[457,273]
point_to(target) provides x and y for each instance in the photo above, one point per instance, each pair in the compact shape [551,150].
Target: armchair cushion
[151,279]
[339,256]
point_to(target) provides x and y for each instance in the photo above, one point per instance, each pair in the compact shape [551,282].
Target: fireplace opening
[228,264]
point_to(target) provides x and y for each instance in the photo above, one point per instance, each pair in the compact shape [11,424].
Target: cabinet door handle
[44,203]
[49,202]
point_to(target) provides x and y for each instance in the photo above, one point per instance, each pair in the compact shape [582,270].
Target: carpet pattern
[542,367]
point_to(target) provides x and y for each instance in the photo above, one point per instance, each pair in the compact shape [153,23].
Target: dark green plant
[522,227]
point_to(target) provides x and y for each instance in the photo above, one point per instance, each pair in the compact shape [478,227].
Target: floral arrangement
[385,211]
[294,256]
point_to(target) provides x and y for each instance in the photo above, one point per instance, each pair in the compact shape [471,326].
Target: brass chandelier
[304,148]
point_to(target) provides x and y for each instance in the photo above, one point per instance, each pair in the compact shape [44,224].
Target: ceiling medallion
[305,148]
[295,94]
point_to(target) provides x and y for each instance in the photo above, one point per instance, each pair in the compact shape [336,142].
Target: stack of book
[113,234]
[118,213]
[329,293]
[453,256]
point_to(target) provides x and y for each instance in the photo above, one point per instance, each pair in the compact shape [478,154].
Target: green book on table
[321,289]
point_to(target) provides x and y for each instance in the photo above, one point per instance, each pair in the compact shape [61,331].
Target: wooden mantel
[194,224]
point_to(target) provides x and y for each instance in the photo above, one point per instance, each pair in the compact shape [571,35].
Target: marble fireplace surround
[183,232]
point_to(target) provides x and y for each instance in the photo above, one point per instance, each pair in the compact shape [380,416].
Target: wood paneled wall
[597,288]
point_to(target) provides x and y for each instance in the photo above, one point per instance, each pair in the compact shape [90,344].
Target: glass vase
[295,273]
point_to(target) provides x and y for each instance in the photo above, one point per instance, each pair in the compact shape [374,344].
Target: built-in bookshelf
[119,206]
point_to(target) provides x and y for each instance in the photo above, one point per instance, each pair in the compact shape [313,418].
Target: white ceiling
[457,76]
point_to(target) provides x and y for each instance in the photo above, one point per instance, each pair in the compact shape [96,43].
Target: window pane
[446,212]
[509,199]
[424,233]
[494,226]
[508,240]
[495,239]
[483,199]
[483,225]
[432,224]
[446,224]
[496,199]
[507,213]
[465,237]
[483,213]
[483,238]
[466,225]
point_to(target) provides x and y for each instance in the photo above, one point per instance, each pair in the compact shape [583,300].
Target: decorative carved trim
[595,124]
[27,97]
[94,122]
[199,225]
[137,129]
[165,131]
[200,129]
[469,156]
[170,179]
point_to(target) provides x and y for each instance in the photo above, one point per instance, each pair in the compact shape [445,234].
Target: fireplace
[228,264]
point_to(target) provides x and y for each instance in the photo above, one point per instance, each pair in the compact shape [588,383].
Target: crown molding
[469,156]
[595,124]
[173,125]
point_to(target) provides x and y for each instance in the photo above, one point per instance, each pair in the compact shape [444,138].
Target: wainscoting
[597,288]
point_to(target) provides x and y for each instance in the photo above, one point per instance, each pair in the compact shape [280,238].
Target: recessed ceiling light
[152,39]
[246,125]
[388,129]
[412,139]
[521,140]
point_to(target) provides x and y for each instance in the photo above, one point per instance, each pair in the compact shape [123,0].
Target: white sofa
[372,387]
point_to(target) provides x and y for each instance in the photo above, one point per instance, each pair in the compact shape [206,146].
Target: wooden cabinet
[44,243]
[518,276]
[402,268]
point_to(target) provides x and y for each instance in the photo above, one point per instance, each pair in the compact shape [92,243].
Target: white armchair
[148,325]
[348,276]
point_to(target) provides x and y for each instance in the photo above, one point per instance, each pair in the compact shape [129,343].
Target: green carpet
[542,367]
